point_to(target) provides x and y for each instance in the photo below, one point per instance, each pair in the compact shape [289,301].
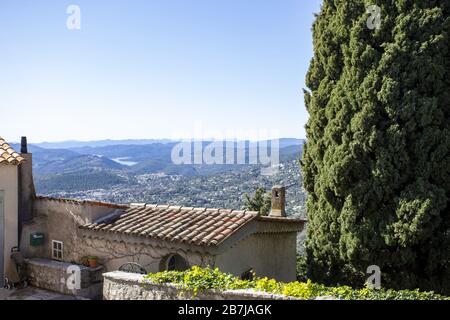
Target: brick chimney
[26,185]
[278,208]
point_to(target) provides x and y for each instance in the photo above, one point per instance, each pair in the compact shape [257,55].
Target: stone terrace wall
[119,285]
[55,276]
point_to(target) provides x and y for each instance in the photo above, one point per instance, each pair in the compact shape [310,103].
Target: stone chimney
[278,208]
[26,185]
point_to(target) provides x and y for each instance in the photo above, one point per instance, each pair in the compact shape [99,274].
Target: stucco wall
[58,220]
[9,185]
[127,286]
[27,191]
[269,254]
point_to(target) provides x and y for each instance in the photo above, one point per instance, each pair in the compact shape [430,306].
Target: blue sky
[153,68]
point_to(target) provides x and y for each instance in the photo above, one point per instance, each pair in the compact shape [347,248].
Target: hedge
[197,278]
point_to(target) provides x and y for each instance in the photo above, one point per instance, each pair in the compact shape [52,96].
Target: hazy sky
[153,69]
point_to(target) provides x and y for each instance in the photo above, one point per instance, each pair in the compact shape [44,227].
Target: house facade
[162,237]
[155,237]
[10,161]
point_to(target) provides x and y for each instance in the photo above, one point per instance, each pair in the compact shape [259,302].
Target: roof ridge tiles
[8,155]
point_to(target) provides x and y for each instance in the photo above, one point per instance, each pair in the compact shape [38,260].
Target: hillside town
[221,190]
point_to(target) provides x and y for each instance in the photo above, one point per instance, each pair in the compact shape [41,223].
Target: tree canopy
[260,201]
[376,164]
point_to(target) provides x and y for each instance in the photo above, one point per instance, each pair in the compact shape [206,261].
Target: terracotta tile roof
[198,226]
[8,155]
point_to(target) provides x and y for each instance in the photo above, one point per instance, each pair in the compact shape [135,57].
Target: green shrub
[197,279]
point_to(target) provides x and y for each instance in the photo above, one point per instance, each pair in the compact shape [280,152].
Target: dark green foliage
[260,201]
[302,268]
[376,164]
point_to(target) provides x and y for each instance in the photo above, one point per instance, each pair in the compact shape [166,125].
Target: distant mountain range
[72,144]
[98,143]
[134,158]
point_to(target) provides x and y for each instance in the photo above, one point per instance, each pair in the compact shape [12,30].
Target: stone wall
[119,285]
[59,277]
[59,220]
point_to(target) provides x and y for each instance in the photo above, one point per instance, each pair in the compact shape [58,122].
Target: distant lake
[123,161]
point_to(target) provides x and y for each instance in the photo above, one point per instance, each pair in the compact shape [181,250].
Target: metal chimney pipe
[24,145]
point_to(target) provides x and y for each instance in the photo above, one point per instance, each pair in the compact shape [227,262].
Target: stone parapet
[119,285]
[65,278]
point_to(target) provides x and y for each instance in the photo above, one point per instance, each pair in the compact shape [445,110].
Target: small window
[57,250]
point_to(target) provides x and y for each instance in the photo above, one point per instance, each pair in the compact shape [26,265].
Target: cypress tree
[376,164]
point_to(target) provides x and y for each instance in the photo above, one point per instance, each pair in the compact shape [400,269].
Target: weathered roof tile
[8,155]
[198,226]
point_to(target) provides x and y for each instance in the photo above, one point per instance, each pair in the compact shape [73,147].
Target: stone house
[157,237]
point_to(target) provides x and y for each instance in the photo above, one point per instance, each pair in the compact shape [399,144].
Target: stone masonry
[119,285]
[58,277]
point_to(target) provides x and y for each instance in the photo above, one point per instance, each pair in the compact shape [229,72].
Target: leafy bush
[197,279]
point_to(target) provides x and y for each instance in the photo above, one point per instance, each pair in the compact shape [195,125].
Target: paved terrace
[32,293]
